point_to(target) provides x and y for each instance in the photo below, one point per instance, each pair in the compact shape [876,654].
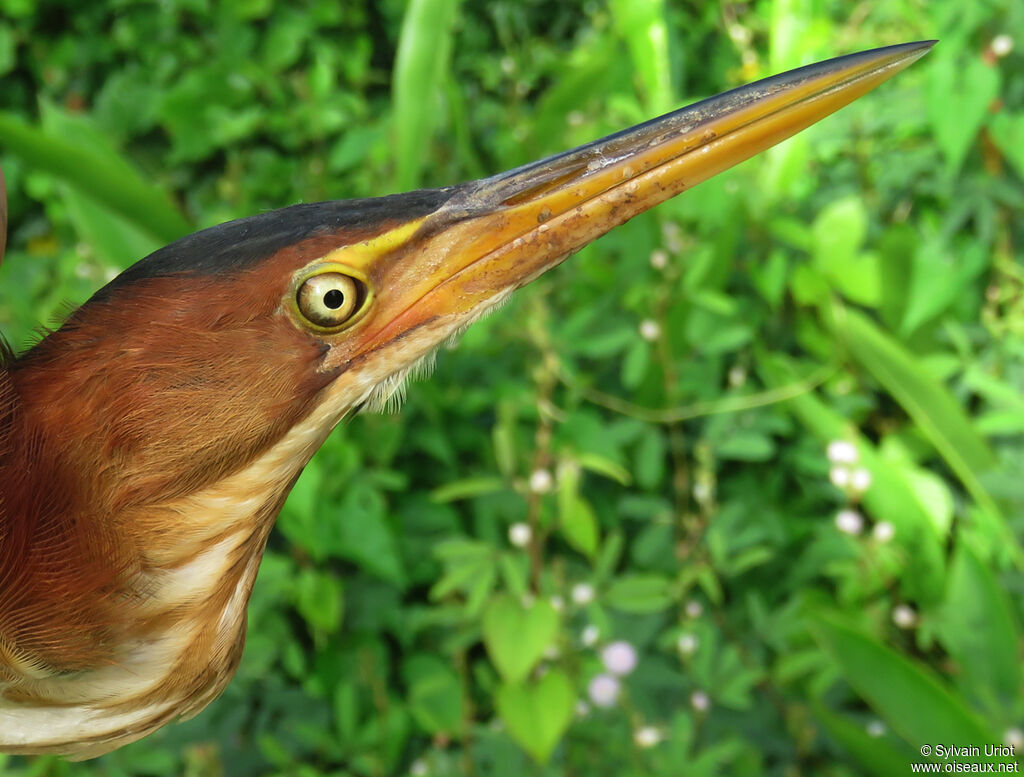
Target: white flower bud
[694,609]
[840,476]
[649,330]
[849,522]
[883,531]
[860,480]
[842,452]
[519,534]
[876,729]
[646,736]
[687,644]
[1001,45]
[1014,737]
[541,481]
[700,701]
[582,593]
[604,690]
[659,259]
[904,616]
[619,658]
[590,635]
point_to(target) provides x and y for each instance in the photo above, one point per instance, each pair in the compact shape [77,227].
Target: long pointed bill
[499,233]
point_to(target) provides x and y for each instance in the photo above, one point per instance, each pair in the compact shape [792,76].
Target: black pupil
[334,299]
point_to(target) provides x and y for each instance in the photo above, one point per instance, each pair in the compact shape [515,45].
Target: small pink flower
[604,690]
[619,658]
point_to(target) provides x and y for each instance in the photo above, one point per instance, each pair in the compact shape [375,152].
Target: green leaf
[435,693]
[421,67]
[906,695]
[958,97]
[116,240]
[1008,133]
[577,521]
[650,458]
[640,593]
[611,553]
[116,185]
[602,465]
[361,532]
[745,445]
[467,488]
[931,406]
[538,714]
[875,754]
[839,232]
[938,275]
[516,636]
[642,24]
[635,364]
[979,631]
[319,598]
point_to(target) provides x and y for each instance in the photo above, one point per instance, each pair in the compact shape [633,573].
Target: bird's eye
[330,299]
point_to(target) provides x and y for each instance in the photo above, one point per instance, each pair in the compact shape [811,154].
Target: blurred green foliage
[650,422]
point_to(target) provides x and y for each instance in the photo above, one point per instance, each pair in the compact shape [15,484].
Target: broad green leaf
[421,67]
[770,277]
[649,463]
[116,240]
[839,231]
[346,708]
[360,530]
[610,555]
[435,693]
[877,755]
[932,492]
[640,593]
[958,98]
[938,275]
[928,403]
[576,518]
[503,437]
[1008,132]
[538,713]
[642,24]
[115,185]
[906,695]
[578,523]
[319,597]
[515,571]
[467,488]
[517,636]
[635,363]
[979,631]
[602,465]
[745,445]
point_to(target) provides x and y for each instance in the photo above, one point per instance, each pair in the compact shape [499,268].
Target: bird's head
[205,353]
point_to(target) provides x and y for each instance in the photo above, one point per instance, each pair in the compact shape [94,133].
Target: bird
[148,443]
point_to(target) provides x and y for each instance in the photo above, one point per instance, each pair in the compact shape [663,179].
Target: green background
[862,282]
